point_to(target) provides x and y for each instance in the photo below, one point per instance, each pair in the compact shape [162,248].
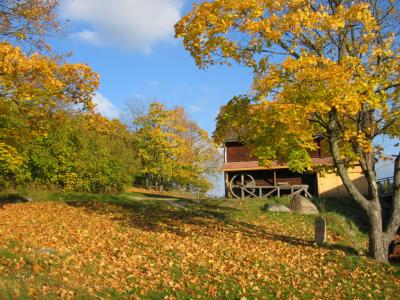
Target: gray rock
[276,207]
[27,199]
[302,205]
[176,205]
[47,251]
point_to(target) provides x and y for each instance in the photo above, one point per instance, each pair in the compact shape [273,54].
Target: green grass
[17,267]
[345,219]
[154,215]
[285,200]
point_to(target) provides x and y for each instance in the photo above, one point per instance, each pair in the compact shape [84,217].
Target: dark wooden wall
[236,151]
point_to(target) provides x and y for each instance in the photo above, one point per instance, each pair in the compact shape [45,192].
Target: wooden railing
[270,191]
[385,186]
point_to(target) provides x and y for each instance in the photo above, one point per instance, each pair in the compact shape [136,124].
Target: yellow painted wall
[330,184]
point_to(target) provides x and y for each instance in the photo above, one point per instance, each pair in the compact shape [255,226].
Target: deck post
[227,194]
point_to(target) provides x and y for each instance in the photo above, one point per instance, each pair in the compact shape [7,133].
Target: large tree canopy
[329,67]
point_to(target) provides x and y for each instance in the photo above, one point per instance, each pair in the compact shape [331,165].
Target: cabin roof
[254,165]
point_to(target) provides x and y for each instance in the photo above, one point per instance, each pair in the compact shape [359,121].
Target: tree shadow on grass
[114,198]
[154,215]
[157,196]
[348,208]
[254,230]
[346,249]
[11,198]
[160,215]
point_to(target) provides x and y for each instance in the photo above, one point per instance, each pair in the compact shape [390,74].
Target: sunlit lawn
[145,246]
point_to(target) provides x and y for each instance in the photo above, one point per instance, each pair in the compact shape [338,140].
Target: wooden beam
[250,192]
[227,185]
[255,169]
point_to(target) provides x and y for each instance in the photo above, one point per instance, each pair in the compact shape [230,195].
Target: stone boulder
[302,205]
[276,207]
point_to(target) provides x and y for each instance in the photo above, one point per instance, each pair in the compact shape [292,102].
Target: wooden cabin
[243,170]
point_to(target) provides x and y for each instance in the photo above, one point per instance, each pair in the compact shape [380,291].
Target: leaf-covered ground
[132,246]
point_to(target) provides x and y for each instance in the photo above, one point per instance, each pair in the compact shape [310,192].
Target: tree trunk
[378,242]
[378,239]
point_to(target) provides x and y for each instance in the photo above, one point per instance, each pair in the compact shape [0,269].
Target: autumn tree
[29,22]
[173,149]
[35,88]
[199,163]
[320,67]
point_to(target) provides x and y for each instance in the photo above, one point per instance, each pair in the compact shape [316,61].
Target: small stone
[27,199]
[47,251]
[176,205]
[276,207]
[320,231]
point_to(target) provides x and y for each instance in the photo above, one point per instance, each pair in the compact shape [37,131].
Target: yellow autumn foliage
[326,69]
[146,249]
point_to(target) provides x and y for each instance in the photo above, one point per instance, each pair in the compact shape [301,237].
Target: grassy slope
[139,245]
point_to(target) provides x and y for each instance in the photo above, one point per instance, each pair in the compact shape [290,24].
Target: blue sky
[154,68]
[130,44]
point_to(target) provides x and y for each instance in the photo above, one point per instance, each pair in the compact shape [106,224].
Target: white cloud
[126,24]
[88,36]
[105,107]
